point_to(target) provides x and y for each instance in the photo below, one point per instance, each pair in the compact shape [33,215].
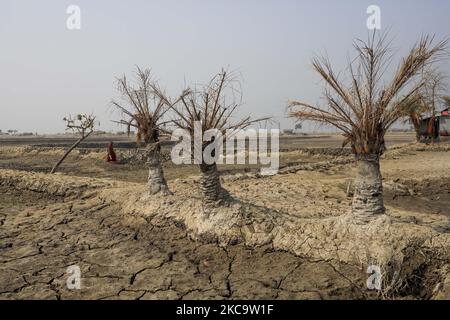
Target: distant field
[287,142]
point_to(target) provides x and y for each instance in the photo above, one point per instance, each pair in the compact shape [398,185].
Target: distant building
[434,127]
[444,123]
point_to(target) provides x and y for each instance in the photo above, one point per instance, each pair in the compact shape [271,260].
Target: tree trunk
[417,136]
[417,131]
[213,193]
[56,166]
[415,120]
[156,181]
[368,195]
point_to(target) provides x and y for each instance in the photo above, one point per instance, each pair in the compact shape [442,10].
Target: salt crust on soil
[329,238]
[394,247]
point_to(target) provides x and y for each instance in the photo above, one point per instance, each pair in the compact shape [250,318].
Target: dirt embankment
[330,245]
[128,257]
[413,255]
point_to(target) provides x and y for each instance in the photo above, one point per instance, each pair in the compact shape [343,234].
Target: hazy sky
[48,71]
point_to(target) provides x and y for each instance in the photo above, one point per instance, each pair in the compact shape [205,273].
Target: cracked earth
[49,223]
[130,259]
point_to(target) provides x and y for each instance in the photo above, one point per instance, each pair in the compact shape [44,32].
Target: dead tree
[366,106]
[83,126]
[432,92]
[143,106]
[212,107]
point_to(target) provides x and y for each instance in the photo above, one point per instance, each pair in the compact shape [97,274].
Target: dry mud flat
[285,237]
[129,258]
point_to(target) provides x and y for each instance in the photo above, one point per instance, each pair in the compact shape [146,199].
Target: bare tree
[143,106]
[212,107]
[432,92]
[366,107]
[83,126]
[433,88]
[415,110]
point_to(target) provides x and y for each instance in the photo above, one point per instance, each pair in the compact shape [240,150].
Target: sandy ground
[127,257]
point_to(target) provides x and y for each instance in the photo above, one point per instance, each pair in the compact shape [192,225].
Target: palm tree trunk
[213,193]
[368,195]
[156,181]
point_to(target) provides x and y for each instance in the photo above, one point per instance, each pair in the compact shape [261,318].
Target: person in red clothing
[111,154]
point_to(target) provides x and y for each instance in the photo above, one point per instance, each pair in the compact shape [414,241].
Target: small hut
[436,126]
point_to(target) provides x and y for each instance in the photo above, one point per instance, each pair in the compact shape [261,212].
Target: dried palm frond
[143,106]
[213,106]
[365,107]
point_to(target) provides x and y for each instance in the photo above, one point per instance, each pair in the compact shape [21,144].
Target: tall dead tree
[83,126]
[143,105]
[212,107]
[366,106]
[432,92]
